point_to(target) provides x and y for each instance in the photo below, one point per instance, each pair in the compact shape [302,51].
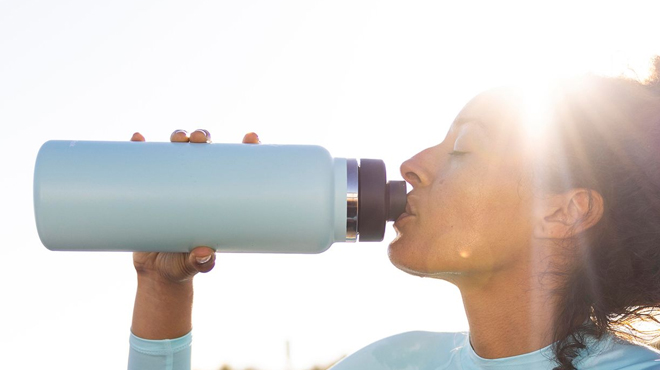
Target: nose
[416,170]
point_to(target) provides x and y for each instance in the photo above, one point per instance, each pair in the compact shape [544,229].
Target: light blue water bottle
[172,197]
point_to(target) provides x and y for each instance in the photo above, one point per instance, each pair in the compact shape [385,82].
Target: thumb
[202,259]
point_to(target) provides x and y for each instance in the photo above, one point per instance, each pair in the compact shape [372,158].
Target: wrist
[163,308]
[159,279]
[160,288]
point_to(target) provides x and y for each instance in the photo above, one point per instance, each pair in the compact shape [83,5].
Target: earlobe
[565,215]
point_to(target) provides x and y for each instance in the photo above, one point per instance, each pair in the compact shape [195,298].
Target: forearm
[162,309]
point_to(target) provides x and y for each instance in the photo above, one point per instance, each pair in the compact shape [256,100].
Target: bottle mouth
[371,200]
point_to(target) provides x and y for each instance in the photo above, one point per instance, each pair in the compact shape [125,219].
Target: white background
[371,79]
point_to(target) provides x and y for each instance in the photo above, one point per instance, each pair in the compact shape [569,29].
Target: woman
[552,237]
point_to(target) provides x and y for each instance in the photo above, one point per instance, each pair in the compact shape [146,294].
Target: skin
[483,221]
[478,218]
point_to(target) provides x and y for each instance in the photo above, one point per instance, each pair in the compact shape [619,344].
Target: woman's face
[471,205]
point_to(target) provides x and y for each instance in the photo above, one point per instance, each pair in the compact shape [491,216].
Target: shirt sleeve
[166,354]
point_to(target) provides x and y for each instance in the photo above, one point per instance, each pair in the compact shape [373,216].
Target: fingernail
[252,136]
[207,135]
[177,133]
[203,260]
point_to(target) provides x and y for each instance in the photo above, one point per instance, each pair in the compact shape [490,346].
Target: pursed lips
[410,211]
[410,206]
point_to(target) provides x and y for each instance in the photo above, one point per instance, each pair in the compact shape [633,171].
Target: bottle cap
[379,201]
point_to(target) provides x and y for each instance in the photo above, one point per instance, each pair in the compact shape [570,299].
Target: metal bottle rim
[352,194]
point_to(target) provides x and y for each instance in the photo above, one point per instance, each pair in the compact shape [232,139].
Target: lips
[403,215]
[409,209]
[408,212]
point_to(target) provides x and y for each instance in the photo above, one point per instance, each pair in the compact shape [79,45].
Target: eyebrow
[458,122]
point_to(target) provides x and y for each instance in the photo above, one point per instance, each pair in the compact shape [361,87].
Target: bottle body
[172,197]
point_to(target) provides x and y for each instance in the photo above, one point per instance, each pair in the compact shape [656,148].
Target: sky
[364,79]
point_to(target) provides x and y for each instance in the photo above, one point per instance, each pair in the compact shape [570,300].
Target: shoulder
[614,353]
[411,350]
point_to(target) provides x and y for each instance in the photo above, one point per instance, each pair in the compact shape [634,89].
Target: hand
[164,297]
[180,267]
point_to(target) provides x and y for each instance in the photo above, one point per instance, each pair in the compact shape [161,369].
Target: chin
[402,254]
[408,256]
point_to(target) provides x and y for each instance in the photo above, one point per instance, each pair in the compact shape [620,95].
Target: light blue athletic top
[167,354]
[421,351]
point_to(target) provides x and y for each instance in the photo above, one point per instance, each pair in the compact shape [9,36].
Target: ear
[562,216]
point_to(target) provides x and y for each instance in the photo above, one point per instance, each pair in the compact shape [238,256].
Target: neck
[510,313]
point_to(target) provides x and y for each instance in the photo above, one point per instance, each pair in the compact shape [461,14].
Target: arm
[162,308]
[162,322]
[160,332]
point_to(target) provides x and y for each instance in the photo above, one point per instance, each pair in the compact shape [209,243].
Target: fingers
[197,136]
[200,136]
[251,138]
[137,137]
[202,259]
[179,136]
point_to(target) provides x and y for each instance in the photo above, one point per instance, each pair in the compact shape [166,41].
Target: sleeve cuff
[161,346]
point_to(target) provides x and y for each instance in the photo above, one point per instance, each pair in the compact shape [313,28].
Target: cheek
[460,208]
[487,222]
[436,240]
[472,219]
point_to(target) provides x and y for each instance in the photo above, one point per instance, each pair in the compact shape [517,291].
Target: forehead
[493,110]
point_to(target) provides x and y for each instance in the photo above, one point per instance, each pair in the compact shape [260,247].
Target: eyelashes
[457,153]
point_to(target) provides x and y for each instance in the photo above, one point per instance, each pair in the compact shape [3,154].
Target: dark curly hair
[606,132]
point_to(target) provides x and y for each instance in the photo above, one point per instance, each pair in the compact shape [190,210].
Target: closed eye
[457,153]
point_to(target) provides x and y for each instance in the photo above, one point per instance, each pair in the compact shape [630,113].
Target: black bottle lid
[379,201]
